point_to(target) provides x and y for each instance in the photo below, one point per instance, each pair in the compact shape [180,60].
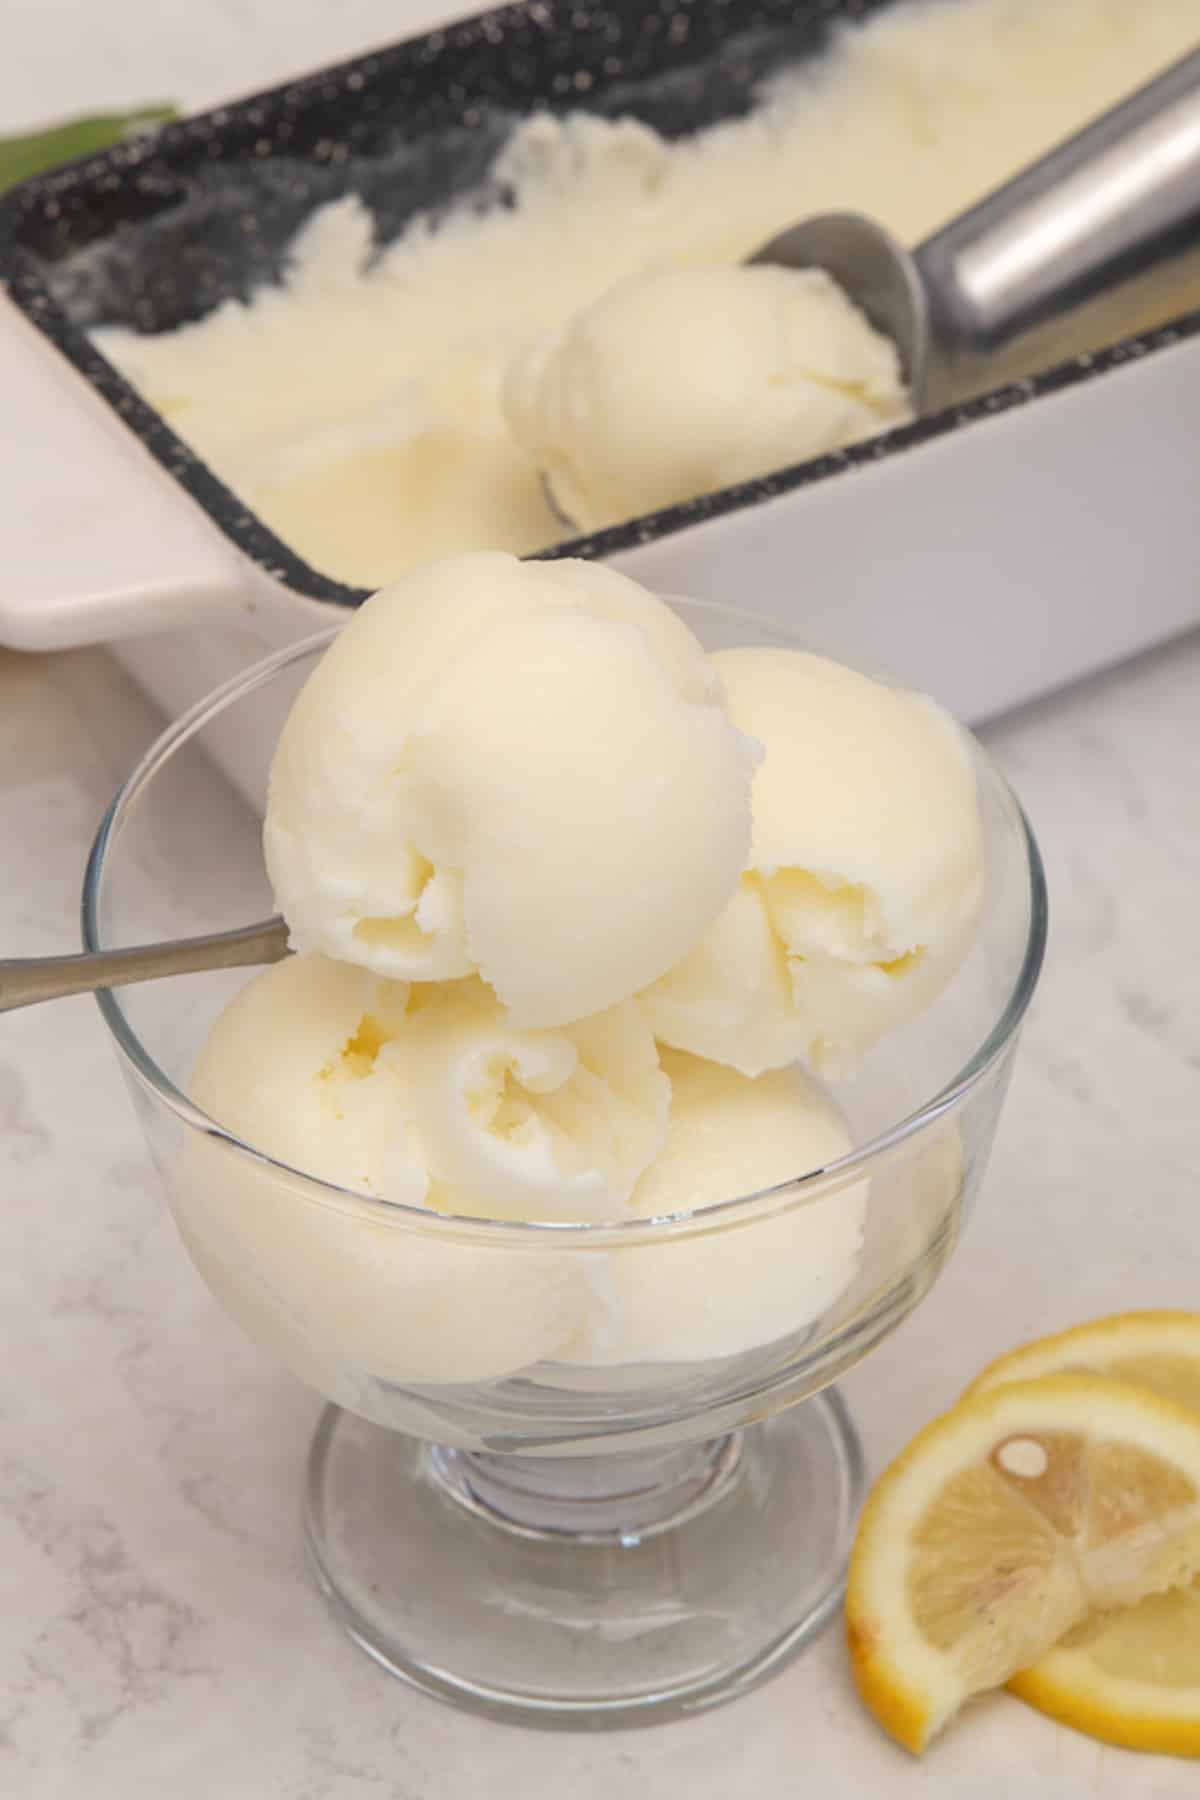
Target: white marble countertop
[157,1631]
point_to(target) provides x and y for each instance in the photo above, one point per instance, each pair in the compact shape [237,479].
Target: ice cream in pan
[357,406]
[681,382]
[582,914]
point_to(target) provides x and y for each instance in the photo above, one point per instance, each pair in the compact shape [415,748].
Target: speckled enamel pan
[161,230]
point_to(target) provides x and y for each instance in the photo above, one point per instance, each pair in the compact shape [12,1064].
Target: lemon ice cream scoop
[429,1096]
[678,382]
[725,1290]
[865,879]
[553,1124]
[523,771]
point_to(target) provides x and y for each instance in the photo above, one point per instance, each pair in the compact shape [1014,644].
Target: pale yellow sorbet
[680,382]
[318,1064]
[356,408]
[520,770]
[865,878]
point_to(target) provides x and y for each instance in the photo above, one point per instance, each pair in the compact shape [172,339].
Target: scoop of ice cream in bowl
[651,1007]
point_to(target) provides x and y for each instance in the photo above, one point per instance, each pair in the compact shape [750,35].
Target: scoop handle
[28,980]
[1097,240]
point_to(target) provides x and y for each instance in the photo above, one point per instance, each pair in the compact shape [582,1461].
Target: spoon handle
[1039,269]
[26,980]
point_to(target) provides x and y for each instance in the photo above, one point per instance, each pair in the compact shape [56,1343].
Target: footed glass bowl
[508,1504]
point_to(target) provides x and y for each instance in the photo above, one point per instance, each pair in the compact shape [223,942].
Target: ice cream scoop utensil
[1050,265]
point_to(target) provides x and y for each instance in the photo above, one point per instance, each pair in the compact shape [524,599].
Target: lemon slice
[1155,1350]
[1131,1678]
[1002,1526]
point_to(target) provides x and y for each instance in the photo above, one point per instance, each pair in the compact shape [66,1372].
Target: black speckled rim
[556,55]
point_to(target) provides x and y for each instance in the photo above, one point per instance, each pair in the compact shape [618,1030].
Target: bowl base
[574,1608]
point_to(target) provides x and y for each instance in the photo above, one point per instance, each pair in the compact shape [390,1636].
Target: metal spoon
[26,980]
[1056,262]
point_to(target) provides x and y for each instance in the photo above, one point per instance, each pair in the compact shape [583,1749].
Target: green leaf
[36,151]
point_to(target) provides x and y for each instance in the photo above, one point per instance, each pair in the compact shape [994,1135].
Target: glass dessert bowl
[563,1476]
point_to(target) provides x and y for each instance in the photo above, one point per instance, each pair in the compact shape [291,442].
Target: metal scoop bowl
[1099,238]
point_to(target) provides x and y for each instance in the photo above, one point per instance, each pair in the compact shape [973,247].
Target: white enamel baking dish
[989,556]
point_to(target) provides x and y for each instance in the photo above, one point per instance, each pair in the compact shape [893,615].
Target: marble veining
[22,1135]
[121,1640]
